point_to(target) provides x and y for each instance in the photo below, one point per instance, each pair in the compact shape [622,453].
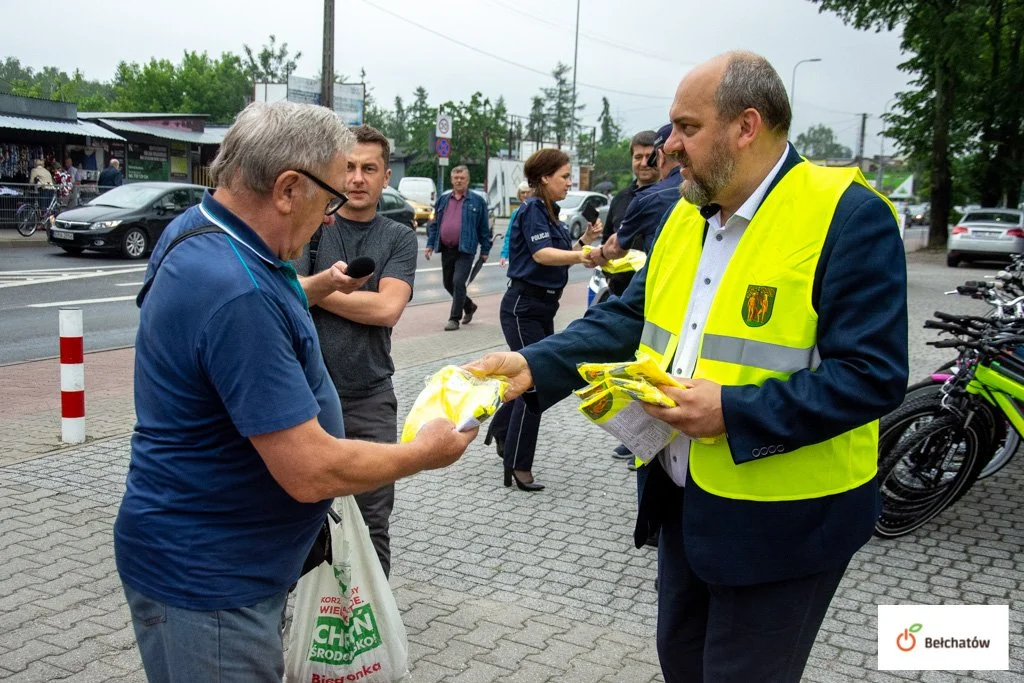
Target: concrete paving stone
[67,598]
[510,655]
[480,672]
[32,651]
[425,671]
[587,672]
[486,634]
[531,672]
[421,614]
[456,654]
[38,671]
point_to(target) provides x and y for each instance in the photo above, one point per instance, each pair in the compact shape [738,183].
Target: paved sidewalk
[494,584]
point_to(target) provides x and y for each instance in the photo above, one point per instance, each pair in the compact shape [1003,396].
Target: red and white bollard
[72,376]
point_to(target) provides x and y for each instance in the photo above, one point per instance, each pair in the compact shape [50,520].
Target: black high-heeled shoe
[499,444]
[510,476]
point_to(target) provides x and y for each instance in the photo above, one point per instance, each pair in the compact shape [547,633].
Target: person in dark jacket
[770,487]
[111,176]
[460,226]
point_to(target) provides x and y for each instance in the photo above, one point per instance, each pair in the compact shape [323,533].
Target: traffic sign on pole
[444,126]
[443,148]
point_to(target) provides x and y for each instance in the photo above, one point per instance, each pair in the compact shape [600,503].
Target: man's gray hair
[751,82]
[268,139]
[461,168]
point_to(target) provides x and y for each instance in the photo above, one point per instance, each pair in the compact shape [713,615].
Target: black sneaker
[622,453]
[468,316]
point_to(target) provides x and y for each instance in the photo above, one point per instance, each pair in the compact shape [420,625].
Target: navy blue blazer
[860,294]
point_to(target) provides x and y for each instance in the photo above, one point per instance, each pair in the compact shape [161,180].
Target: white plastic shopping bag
[346,625]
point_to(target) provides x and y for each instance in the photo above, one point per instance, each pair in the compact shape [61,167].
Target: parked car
[394,206]
[986,235]
[572,207]
[418,189]
[422,213]
[128,219]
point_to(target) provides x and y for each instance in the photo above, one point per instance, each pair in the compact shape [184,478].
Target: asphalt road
[36,282]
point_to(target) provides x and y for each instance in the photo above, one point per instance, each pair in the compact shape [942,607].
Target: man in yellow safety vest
[776,291]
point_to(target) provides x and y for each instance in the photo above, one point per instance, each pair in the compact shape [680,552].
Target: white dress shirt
[719,246]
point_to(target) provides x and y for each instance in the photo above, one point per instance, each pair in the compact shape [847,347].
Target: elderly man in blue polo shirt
[460,226]
[239,446]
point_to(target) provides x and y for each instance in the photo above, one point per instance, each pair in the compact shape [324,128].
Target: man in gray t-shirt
[355,329]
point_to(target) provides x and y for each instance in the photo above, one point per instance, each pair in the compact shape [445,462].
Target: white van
[418,189]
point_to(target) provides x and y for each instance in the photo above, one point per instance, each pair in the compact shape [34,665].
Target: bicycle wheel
[930,470]
[27,218]
[920,406]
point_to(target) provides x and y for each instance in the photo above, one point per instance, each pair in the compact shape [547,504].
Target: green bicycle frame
[999,390]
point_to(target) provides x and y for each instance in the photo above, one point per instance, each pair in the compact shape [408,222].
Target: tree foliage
[963,119]
[819,142]
[272,64]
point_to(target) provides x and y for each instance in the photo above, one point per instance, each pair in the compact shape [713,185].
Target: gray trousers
[375,418]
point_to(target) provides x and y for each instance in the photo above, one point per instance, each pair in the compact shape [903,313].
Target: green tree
[819,142]
[537,125]
[271,64]
[611,132]
[218,87]
[54,84]
[612,163]
[965,99]
[561,118]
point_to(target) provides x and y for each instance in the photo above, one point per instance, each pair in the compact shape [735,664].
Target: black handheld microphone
[361,267]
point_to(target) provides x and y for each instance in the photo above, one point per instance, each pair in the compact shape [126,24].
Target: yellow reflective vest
[761,326]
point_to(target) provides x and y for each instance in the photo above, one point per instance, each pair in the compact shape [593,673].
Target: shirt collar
[237,229]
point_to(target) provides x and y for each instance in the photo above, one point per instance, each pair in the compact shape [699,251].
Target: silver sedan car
[986,235]
[571,210]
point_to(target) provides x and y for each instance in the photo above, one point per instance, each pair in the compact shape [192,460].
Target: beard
[705,184]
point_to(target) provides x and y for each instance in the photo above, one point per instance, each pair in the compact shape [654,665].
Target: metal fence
[14,195]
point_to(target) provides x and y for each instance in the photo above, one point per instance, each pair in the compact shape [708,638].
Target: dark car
[128,219]
[394,206]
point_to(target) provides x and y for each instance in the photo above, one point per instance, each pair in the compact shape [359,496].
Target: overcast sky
[632,53]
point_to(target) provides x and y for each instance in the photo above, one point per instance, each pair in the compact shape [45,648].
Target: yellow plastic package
[454,393]
[643,368]
[633,261]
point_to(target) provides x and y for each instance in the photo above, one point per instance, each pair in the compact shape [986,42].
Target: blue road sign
[443,147]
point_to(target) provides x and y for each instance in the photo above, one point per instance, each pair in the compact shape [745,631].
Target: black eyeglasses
[334,204]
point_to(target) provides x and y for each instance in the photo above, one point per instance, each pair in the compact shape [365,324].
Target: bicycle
[924,472]
[30,216]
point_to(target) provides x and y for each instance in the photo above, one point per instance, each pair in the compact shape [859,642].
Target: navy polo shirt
[531,231]
[226,350]
[644,213]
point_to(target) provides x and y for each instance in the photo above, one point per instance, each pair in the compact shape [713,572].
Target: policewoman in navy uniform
[540,253]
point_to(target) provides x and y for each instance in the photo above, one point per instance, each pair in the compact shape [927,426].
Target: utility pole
[575,58]
[327,68]
[860,142]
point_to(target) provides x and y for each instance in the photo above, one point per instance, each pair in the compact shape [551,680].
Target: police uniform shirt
[534,230]
[719,246]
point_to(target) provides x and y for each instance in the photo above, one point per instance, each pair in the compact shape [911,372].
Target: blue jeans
[186,646]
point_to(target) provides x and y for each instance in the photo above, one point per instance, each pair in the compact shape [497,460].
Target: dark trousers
[720,634]
[524,320]
[455,269]
[375,418]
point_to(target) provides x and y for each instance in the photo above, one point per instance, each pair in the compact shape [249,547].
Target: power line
[591,36]
[600,88]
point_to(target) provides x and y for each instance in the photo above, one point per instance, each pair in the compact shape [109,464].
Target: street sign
[443,148]
[442,161]
[444,126]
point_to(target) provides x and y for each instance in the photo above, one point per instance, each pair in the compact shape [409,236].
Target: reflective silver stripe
[655,337]
[758,354]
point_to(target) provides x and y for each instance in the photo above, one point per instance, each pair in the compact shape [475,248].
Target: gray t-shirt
[358,356]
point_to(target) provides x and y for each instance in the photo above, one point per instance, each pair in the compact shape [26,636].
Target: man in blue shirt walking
[460,226]
[239,447]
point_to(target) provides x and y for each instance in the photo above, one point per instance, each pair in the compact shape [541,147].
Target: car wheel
[134,243]
[576,231]
[952,260]
[74,251]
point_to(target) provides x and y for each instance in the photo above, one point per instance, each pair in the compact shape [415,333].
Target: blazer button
[754,452]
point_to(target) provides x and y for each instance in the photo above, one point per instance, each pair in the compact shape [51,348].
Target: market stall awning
[162,132]
[57,126]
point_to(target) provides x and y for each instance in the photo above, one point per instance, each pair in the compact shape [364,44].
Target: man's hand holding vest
[698,411]
[512,366]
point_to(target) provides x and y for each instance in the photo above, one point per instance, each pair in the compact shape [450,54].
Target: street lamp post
[881,151]
[792,82]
